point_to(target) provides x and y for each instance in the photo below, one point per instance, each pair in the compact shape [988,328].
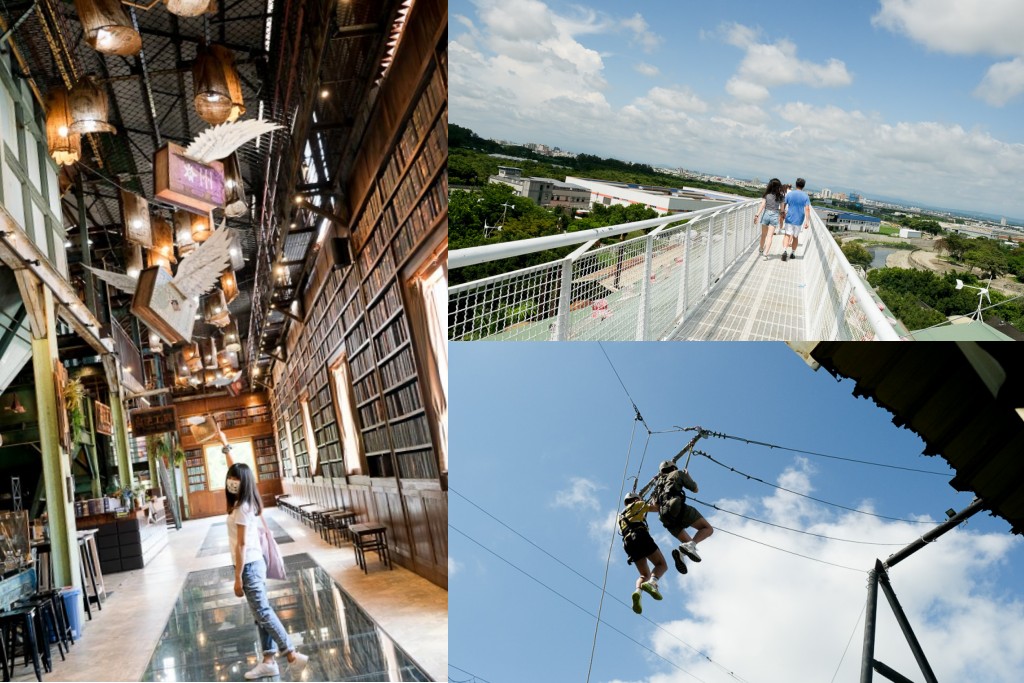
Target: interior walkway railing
[645,287]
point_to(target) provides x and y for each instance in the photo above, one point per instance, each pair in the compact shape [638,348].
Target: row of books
[420,464]
[375,440]
[380,275]
[391,337]
[397,369]
[404,400]
[356,337]
[369,415]
[384,307]
[412,432]
[422,218]
[361,363]
[365,388]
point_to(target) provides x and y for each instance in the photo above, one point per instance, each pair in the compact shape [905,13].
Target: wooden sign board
[60,380]
[146,421]
[104,422]
[163,307]
[192,185]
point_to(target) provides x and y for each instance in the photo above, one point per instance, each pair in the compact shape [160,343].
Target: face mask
[233,485]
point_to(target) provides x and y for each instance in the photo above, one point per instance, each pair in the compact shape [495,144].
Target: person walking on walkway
[676,515]
[798,218]
[245,514]
[768,215]
[640,547]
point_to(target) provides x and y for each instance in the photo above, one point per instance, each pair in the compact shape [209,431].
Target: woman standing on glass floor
[245,513]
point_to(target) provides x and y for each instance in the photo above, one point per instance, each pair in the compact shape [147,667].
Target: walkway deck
[756,300]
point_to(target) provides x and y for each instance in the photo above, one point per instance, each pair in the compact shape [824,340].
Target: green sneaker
[636,602]
[651,588]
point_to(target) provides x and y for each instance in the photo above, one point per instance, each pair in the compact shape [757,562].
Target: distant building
[661,199]
[825,193]
[847,221]
[543,191]
[908,233]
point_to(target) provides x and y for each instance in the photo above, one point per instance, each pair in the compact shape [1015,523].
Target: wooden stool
[372,537]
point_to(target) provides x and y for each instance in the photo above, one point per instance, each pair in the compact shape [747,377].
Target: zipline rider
[640,547]
[676,515]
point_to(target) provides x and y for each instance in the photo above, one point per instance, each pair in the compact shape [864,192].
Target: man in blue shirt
[798,217]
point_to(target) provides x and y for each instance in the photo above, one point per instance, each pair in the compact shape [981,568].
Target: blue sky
[917,99]
[542,438]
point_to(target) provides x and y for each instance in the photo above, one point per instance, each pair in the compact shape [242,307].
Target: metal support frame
[879,576]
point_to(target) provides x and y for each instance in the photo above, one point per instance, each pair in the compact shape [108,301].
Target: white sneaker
[295,668]
[263,670]
[690,550]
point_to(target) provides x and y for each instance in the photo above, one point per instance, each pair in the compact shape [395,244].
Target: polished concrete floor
[178,619]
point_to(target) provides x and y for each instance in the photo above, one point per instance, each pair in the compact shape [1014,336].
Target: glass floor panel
[211,635]
[216,540]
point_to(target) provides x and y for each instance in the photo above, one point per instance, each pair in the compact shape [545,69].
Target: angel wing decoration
[220,141]
[198,272]
[126,283]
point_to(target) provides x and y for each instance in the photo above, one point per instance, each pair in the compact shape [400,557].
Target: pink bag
[271,553]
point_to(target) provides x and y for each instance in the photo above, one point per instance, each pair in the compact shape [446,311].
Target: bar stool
[52,615]
[21,619]
[87,548]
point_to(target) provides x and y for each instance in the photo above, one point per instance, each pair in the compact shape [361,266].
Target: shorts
[639,545]
[677,515]
[792,230]
[770,217]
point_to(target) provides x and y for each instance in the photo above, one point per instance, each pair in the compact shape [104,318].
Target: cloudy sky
[913,99]
[544,434]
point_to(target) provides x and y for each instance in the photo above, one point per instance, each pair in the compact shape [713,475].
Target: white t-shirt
[244,517]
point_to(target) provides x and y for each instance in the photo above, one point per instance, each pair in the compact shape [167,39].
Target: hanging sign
[146,421]
[104,423]
[187,183]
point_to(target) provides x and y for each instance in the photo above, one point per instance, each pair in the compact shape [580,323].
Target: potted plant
[74,392]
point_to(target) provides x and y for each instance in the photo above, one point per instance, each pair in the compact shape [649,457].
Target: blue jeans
[272,633]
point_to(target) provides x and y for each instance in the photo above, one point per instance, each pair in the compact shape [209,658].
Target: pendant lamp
[210,354]
[234,188]
[107,27]
[215,309]
[217,87]
[229,285]
[202,226]
[88,105]
[162,251]
[191,8]
[191,356]
[156,345]
[64,146]
[137,225]
[183,232]
[230,339]
[133,259]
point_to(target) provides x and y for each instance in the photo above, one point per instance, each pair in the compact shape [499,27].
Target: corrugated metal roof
[962,399]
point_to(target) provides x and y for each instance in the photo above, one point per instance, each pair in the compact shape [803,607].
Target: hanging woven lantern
[64,146]
[229,337]
[88,105]
[191,356]
[183,232]
[215,82]
[133,259]
[107,27]
[215,309]
[137,225]
[191,8]
[227,360]
[229,285]
[210,354]
[156,345]
[202,226]
[155,258]
[163,244]
[234,188]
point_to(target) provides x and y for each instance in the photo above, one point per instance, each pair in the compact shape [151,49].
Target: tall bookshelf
[299,442]
[282,440]
[195,469]
[265,454]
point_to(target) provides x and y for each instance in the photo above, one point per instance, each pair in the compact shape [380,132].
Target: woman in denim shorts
[768,214]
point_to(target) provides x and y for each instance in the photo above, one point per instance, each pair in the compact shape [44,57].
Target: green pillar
[57,480]
[117,416]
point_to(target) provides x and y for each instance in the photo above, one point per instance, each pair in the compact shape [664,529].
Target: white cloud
[957,26]
[646,69]
[642,33]
[767,65]
[581,495]
[770,616]
[966,27]
[1003,82]
[678,98]
[453,567]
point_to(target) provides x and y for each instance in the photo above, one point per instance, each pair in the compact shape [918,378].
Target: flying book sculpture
[192,177]
[168,305]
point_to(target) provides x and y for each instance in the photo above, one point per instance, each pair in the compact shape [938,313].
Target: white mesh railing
[840,304]
[639,289]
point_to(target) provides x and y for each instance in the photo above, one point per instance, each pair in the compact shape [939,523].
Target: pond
[878,256]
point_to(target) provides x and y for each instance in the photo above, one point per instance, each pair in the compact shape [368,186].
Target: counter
[127,541]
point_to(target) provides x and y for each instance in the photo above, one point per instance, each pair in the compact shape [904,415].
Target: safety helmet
[631,498]
[667,466]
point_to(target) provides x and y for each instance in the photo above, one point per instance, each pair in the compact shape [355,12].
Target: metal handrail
[494,252]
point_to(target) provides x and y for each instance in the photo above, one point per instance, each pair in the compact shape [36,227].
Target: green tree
[954,244]
[988,257]
[856,254]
